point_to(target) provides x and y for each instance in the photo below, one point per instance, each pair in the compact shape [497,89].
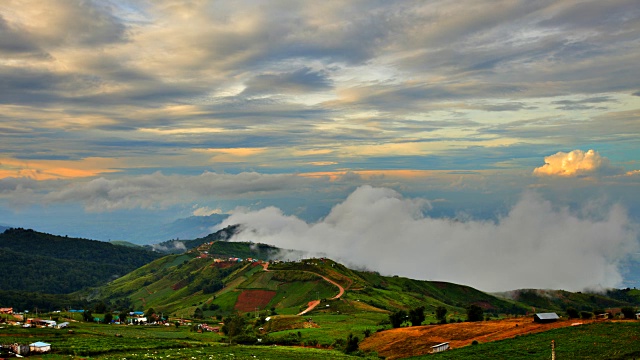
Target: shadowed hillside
[34,261]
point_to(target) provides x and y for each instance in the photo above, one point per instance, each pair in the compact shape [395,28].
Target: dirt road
[314,303]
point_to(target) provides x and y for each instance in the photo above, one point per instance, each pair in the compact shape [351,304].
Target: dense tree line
[23,300]
[37,262]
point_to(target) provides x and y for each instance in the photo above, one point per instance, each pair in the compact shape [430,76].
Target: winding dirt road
[312,304]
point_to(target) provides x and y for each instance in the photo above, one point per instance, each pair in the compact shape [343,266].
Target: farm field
[595,341]
[97,341]
[498,339]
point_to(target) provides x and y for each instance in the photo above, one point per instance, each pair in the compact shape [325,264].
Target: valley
[217,298]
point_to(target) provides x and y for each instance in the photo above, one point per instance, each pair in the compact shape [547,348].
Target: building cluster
[21,350]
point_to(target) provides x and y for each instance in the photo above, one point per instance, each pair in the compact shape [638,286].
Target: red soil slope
[249,300]
[417,340]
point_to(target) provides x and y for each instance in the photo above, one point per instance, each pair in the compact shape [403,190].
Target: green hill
[39,262]
[560,300]
[181,283]
[204,279]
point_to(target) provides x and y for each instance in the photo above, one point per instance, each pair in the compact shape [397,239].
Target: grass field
[596,340]
[96,341]
[606,340]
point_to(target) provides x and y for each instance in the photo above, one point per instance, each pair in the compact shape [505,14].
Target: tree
[233,326]
[352,344]
[441,314]
[198,313]
[212,287]
[586,315]
[87,315]
[572,313]
[416,316]
[150,313]
[123,316]
[628,312]
[107,318]
[475,313]
[100,308]
[397,318]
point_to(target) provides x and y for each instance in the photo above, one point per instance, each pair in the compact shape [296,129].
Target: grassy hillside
[560,300]
[38,262]
[181,283]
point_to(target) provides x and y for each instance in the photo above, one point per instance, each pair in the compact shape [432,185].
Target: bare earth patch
[417,340]
[249,300]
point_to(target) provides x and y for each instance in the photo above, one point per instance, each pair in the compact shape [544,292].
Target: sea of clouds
[534,245]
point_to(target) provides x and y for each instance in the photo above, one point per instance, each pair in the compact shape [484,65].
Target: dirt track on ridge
[314,303]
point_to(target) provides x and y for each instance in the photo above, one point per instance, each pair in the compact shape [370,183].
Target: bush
[245,339]
[441,314]
[397,318]
[416,316]
[311,343]
[475,313]
[573,313]
[586,315]
[352,344]
[628,312]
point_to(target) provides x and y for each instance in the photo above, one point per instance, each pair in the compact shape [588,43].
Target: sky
[442,140]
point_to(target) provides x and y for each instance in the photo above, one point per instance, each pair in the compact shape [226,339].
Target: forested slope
[39,262]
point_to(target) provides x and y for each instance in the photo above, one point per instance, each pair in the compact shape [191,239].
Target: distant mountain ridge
[181,246]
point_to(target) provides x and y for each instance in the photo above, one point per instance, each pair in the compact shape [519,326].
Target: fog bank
[535,245]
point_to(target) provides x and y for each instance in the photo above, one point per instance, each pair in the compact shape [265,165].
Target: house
[545,317]
[6,310]
[39,347]
[440,347]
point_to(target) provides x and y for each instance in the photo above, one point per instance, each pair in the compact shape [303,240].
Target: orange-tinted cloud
[56,169]
[576,163]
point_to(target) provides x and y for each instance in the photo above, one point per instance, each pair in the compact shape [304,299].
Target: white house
[39,347]
[440,347]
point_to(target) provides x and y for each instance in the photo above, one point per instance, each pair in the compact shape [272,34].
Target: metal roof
[39,344]
[547,316]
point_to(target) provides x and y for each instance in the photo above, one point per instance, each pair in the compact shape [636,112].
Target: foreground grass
[220,351]
[95,341]
[607,340]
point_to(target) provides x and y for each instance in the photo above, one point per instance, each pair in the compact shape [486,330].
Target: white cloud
[576,163]
[534,246]
[206,211]
[157,190]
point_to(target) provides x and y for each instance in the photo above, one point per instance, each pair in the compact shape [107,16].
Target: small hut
[545,317]
[440,347]
[39,347]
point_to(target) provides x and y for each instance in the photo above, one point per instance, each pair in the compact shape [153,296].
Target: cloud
[297,82]
[577,163]
[206,211]
[583,104]
[54,23]
[157,191]
[535,245]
